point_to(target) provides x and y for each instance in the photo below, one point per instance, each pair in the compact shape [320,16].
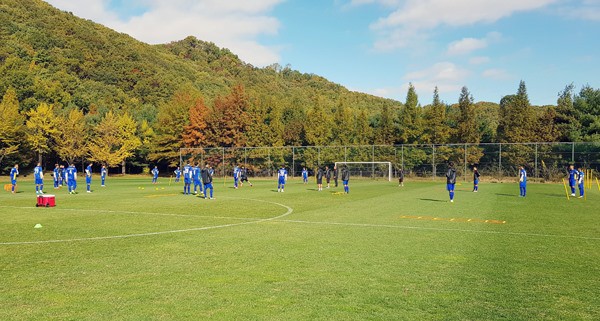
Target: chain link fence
[543,161]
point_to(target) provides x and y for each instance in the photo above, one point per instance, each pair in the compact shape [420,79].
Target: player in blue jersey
[572,179]
[88,178]
[282,178]
[207,177]
[475,179]
[177,174]
[305,175]
[56,176]
[103,173]
[187,178]
[236,176]
[71,178]
[451,180]
[522,181]
[346,179]
[197,177]
[14,172]
[38,176]
[155,175]
[580,180]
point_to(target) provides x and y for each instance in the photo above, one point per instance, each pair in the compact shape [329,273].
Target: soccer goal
[369,169]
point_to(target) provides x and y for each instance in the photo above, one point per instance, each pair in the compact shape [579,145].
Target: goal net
[368,169]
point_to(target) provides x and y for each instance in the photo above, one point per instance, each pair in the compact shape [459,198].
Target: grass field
[379,253]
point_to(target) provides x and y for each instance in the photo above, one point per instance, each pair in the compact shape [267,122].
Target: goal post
[371,165]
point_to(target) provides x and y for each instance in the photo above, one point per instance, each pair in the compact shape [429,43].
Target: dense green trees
[68,83]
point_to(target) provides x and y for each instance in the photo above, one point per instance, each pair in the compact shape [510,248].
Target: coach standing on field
[451,180]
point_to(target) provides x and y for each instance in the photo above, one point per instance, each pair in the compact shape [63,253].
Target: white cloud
[496,74]
[467,45]
[412,19]
[479,60]
[426,14]
[235,25]
[586,10]
[448,77]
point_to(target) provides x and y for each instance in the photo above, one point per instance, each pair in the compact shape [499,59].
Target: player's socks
[451,196]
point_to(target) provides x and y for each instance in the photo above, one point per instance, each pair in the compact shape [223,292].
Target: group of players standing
[61,176]
[202,179]
[328,174]
[576,177]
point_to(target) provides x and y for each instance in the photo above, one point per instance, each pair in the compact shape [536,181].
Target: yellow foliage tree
[70,140]
[41,127]
[11,125]
[115,139]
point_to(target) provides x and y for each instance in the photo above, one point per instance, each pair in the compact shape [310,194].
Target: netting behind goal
[374,170]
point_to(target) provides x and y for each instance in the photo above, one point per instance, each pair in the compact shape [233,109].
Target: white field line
[137,213]
[288,212]
[440,229]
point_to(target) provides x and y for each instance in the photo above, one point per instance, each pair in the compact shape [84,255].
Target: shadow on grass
[432,200]
[507,195]
[555,195]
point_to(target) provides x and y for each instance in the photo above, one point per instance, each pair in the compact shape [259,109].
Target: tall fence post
[345,153]
[573,153]
[500,162]
[245,157]
[319,156]
[536,161]
[402,153]
[465,172]
[373,160]
[433,167]
[223,165]
[293,161]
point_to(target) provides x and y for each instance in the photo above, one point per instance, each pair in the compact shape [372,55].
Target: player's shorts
[88,180]
[319,181]
[187,181]
[197,182]
[39,181]
[209,185]
[475,182]
[281,181]
[450,187]
[305,178]
[328,180]
[13,182]
[244,179]
[571,182]
[345,182]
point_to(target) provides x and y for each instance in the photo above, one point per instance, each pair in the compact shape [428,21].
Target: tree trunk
[39,157]
[123,167]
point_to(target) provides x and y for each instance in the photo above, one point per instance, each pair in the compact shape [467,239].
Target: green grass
[335,257]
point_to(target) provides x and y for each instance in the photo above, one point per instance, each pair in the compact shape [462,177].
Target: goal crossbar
[372,163]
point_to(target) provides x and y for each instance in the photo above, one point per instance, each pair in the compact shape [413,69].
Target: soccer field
[379,253]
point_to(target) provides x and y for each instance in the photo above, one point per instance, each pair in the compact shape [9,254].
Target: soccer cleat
[451,201]
[89,191]
[212,198]
[573,194]
[580,197]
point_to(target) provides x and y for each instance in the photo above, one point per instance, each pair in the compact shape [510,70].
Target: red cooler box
[46,201]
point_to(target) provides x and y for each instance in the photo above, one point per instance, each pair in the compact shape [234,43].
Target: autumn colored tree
[70,140]
[114,140]
[41,127]
[172,118]
[11,126]
[194,134]
[229,119]
[318,129]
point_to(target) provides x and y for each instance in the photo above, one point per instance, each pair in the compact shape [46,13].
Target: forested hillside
[73,89]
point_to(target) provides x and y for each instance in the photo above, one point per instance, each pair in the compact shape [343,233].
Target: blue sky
[379,46]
